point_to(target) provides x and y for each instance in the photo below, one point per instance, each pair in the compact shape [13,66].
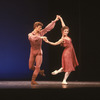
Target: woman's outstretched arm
[53,43]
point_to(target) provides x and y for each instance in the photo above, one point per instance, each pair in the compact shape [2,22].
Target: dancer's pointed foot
[54,72]
[64,82]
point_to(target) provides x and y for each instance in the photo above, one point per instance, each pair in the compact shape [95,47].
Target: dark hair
[63,28]
[36,24]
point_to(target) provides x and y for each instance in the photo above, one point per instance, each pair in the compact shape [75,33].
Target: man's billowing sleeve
[48,28]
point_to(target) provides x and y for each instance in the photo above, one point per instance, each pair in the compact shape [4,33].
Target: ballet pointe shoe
[41,72]
[54,72]
[33,82]
[64,83]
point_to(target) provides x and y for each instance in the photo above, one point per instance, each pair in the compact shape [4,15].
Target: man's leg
[37,69]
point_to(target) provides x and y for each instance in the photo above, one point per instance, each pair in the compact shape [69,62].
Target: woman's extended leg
[57,71]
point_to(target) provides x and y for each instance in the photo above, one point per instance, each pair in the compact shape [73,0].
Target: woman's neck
[65,36]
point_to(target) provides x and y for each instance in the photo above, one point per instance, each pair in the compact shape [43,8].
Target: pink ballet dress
[69,59]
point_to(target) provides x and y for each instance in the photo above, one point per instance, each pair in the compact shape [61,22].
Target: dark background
[16,21]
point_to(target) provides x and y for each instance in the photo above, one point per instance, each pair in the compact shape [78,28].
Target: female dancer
[69,60]
[35,38]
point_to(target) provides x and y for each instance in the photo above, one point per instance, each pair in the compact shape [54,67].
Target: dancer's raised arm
[62,21]
[50,26]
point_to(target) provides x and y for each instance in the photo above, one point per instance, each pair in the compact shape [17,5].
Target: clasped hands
[58,17]
[45,39]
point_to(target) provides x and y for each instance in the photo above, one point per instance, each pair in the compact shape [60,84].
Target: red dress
[69,59]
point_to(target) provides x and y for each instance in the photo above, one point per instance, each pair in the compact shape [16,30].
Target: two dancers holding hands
[69,59]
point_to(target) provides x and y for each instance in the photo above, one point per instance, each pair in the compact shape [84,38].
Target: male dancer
[35,38]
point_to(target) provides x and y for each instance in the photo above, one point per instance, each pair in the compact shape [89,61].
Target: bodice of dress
[67,43]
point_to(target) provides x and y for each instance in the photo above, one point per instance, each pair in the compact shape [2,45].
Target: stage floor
[46,85]
[52,90]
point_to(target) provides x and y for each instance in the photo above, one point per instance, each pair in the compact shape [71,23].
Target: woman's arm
[53,43]
[62,21]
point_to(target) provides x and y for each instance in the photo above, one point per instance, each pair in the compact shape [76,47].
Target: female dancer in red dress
[69,60]
[35,38]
